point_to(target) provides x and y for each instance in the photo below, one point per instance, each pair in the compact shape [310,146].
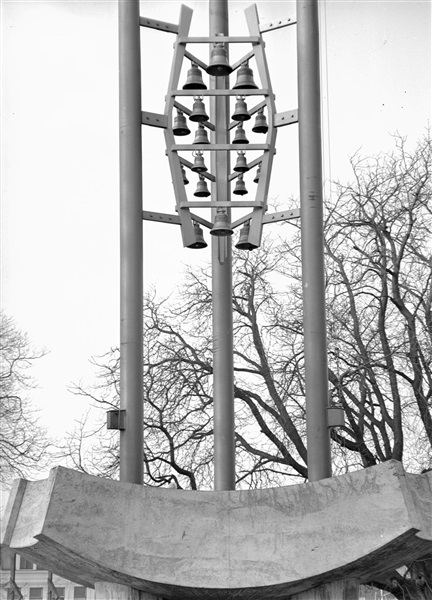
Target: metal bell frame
[185,217]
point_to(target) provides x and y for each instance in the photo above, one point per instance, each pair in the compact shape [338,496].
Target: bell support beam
[151,215]
[154,119]
[223,92]
[312,241]
[187,228]
[225,39]
[243,59]
[220,204]
[256,222]
[286,118]
[219,147]
[195,59]
[160,25]
[277,25]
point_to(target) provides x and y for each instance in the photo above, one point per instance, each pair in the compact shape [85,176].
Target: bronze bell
[260,122]
[240,135]
[198,111]
[183,172]
[245,78]
[243,243]
[180,124]
[202,189]
[199,165]
[221,225]
[219,65]
[240,188]
[199,238]
[201,135]
[257,176]
[240,111]
[194,80]
[241,165]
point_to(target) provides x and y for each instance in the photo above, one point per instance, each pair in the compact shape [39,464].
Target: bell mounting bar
[212,39]
[244,59]
[277,25]
[237,92]
[156,24]
[285,215]
[154,119]
[286,118]
[219,147]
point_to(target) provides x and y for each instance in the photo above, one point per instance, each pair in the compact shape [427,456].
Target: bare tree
[23,442]
[380,291]
[379,314]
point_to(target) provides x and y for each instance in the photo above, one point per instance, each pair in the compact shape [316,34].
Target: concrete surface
[270,543]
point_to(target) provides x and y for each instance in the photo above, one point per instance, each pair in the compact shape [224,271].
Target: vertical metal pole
[311,207]
[131,246]
[223,369]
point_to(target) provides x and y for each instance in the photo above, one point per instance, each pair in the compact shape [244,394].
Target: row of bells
[221,228]
[202,190]
[199,165]
[200,116]
[219,66]
[201,137]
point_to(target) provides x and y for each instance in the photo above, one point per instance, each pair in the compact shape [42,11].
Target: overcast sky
[60,241]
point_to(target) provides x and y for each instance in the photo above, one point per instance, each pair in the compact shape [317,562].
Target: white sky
[60,242]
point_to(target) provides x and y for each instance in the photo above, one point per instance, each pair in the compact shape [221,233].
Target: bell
[201,136]
[243,243]
[198,111]
[260,122]
[180,125]
[199,238]
[257,176]
[240,188]
[183,172]
[221,225]
[199,165]
[194,80]
[202,189]
[240,111]
[219,65]
[240,136]
[241,165]
[245,78]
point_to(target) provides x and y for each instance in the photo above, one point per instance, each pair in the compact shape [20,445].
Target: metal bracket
[161,25]
[225,39]
[154,119]
[116,419]
[286,118]
[220,204]
[219,147]
[277,25]
[284,215]
[160,217]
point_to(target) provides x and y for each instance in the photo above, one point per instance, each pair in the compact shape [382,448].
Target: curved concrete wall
[242,544]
